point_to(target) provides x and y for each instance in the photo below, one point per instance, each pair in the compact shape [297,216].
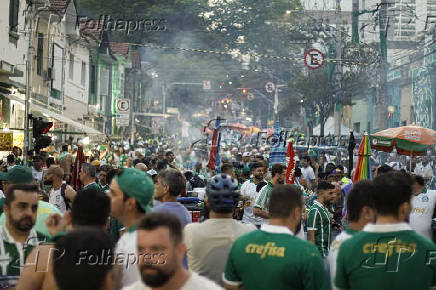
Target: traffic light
[40,128]
[5,88]
[244,91]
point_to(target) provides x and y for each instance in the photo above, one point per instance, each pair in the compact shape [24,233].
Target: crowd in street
[120,216]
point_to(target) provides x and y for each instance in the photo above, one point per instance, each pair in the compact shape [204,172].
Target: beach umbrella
[409,140]
[363,168]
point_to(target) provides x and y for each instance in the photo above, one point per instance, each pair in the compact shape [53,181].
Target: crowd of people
[126,223]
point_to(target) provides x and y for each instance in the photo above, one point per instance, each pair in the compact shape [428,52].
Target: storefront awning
[85,129]
[35,107]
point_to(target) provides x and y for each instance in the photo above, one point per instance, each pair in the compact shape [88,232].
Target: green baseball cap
[137,184]
[17,175]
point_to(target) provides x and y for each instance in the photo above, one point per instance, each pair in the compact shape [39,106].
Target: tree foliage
[314,90]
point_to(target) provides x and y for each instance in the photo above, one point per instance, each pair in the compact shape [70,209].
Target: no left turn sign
[313,58]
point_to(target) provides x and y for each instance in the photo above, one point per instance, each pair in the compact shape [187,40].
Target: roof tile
[59,5]
[120,48]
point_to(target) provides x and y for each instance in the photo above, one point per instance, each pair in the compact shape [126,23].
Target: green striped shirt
[13,254]
[319,220]
[262,200]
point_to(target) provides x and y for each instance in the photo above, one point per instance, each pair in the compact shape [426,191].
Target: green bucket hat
[137,184]
[17,175]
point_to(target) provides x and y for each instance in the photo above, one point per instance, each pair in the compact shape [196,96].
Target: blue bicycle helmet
[222,192]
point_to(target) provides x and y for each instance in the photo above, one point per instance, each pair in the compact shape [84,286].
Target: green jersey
[13,254]
[274,258]
[310,200]
[319,220]
[93,185]
[262,200]
[104,188]
[123,160]
[389,256]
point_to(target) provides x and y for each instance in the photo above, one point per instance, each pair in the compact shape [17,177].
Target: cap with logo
[17,175]
[138,185]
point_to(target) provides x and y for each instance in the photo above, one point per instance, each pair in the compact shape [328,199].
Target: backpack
[67,202]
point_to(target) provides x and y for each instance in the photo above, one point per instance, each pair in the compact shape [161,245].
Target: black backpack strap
[63,188]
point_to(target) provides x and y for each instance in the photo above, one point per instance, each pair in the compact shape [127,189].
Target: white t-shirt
[208,245]
[422,212]
[57,200]
[37,174]
[333,254]
[419,169]
[195,282]
[127,245]
[308,174]
[427,171]
[248,189]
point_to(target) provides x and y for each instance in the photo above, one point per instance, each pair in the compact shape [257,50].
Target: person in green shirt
[360,212]
[17,236]
[131,193]
[278,175]
[319,220]
[103,181]
[388,254]
[87,176]
[84,215]
[22,175]
[16,175]
[274,257]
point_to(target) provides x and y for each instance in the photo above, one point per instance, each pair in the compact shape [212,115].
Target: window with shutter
[13,15]
[83,80]
[39,54]
[104,81]
[92,79]
[71,68]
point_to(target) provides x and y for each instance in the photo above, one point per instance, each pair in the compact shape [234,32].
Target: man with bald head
[141,166]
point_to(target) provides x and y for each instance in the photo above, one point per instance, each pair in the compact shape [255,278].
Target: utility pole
[133,97]
[338,72]
[30,16]
[381,104]
[164,96]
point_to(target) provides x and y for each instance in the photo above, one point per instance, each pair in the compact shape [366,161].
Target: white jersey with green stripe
[262,200]
[13,254]
[319,220]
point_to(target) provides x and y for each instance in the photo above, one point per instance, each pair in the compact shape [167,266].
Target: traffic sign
[313,58]
[123,105]
[206,85]
[123,120]
[270,87]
